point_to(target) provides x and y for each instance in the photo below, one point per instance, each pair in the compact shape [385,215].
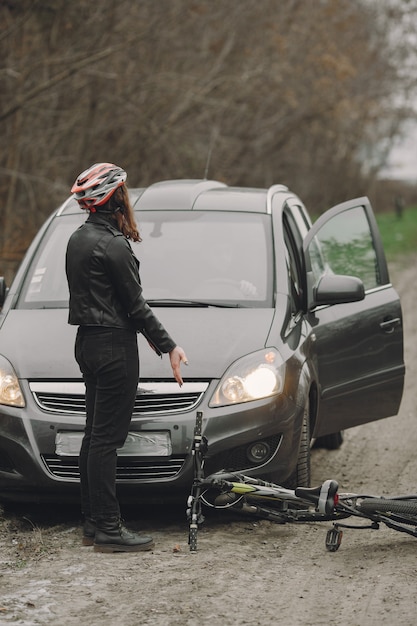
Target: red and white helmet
[96,185]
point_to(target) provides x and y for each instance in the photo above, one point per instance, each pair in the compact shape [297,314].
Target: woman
[107,304]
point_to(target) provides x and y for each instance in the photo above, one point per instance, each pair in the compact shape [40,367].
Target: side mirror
[3,291]
[335,289]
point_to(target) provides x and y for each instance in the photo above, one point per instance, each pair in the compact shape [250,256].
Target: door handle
[388,326]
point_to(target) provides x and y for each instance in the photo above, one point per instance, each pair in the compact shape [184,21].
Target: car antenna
[213,137]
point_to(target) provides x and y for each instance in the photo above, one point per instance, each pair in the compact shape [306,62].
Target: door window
[344,245]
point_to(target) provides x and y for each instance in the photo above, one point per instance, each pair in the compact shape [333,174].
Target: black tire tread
[192,539]
[301,477]
[385,505]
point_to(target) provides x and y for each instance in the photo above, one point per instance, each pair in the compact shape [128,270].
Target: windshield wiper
[192,303]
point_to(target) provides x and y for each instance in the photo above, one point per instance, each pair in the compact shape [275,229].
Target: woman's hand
[176,356]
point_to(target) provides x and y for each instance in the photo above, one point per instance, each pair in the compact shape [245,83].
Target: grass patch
[399,235]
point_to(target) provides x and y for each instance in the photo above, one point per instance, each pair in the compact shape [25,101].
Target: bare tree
[247,91]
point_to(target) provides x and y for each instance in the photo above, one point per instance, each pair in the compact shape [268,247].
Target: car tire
[301,477]
[330,442]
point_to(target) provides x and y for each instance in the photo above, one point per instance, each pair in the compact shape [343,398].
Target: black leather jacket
[104,283]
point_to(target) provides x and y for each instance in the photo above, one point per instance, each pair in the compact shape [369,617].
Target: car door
[358,345]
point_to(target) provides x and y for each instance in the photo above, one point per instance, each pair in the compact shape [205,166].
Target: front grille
[126,469]
[151,398]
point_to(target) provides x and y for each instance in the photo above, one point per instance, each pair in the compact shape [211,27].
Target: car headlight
[253,377]
[10,391]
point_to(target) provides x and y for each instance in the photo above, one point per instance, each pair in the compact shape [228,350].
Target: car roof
[200,195]
[197,195]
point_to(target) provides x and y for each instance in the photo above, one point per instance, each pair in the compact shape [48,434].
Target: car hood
[40,343]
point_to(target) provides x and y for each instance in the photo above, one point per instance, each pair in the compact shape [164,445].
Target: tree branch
[64,75]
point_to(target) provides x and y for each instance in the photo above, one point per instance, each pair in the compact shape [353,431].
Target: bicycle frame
[261,499]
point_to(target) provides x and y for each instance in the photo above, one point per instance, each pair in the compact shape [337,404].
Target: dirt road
[243,573]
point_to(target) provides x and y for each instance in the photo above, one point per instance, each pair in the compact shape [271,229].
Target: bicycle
[242,494]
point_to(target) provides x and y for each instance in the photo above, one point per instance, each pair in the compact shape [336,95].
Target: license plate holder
[137,444]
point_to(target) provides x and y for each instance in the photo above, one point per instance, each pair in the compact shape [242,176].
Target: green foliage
[399,235]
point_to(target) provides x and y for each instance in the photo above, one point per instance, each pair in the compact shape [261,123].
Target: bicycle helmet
[96,185]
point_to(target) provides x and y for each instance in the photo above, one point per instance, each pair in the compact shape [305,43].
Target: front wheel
[301,477]
[192,538]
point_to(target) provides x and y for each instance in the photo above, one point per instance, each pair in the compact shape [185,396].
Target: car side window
[344,245]
[293,267]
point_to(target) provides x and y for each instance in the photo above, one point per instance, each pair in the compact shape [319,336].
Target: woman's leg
[110,395]
[114,355]
[90,399]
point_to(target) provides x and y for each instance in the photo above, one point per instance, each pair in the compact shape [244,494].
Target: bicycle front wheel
[386,506]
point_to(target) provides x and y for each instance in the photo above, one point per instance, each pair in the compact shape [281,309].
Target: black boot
[89,531]
[112,536]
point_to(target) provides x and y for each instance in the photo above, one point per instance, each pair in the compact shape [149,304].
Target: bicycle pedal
[333,539]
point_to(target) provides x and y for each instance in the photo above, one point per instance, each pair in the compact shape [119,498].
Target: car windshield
[186,257]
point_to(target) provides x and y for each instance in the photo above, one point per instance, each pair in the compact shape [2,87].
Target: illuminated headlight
[253,377]
[10,392]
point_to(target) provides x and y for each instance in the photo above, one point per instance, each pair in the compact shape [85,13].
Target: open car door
[359,344]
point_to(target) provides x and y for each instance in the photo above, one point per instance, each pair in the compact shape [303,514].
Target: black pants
[108,359]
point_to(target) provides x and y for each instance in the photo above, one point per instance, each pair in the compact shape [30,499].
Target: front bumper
[31,469]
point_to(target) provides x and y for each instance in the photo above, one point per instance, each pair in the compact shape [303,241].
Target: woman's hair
[122,210]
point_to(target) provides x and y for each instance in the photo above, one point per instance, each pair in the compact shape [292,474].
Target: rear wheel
[386,506]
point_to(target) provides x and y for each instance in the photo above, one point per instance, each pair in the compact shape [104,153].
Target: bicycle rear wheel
[386,506]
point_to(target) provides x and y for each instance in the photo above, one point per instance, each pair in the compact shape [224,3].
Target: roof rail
[271,192]
[180,193]
[64,206]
